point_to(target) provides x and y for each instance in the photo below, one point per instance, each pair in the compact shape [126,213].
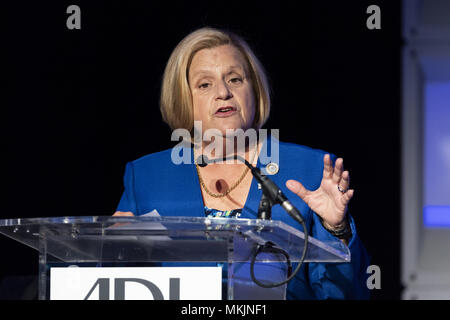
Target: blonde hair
[176,98]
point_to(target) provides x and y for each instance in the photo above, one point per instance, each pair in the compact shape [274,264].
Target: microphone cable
[267,247]
[275,194]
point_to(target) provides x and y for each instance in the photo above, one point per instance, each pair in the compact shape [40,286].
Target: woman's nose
[223,91]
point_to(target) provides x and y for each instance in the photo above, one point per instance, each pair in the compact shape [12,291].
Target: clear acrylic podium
[101,241]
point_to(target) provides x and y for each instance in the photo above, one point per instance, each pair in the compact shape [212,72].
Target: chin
[232,129]
[233,125]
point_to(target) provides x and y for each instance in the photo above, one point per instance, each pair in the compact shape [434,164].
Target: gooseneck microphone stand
[272,195]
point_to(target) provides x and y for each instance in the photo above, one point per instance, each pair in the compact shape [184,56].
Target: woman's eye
[236,80]
[203,85]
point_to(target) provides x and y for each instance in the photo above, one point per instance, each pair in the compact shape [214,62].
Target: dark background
[79,104]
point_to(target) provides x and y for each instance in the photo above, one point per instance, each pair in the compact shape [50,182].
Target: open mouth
[225,111]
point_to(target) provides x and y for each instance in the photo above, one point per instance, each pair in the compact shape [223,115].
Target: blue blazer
[155,182]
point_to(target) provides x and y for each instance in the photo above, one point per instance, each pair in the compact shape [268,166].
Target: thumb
[297,188]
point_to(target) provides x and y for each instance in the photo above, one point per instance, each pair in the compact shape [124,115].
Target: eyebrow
[231,69]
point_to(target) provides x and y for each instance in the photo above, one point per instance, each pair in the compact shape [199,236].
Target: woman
[212,76]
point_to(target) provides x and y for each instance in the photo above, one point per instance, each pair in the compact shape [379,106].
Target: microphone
[270,189]
[274,193]
[275,196]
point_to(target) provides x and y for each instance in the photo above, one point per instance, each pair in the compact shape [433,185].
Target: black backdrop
[79,104]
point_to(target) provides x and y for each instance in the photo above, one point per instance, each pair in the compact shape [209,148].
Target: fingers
[297,188]
[348,195]
[337,174]
[338,168]
[344,183]
[123,214]
[327,166]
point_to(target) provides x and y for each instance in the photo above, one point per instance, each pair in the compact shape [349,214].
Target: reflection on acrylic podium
[105,257]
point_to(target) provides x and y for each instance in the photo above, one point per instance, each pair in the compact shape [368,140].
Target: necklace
[221,195]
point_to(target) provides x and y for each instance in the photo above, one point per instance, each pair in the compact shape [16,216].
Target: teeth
[225,109]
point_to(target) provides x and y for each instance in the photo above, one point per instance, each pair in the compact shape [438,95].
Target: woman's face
[222,94]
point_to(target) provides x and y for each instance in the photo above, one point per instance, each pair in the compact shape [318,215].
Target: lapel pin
[272,168]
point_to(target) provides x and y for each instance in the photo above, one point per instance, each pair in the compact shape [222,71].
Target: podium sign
[154,283]
[93,248]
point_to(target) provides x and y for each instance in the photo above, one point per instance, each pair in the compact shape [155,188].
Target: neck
[221,147]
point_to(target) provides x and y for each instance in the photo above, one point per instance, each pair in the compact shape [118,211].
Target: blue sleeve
[128,200]
[340,280]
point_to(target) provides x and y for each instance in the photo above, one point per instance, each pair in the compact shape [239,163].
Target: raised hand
[331,199]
